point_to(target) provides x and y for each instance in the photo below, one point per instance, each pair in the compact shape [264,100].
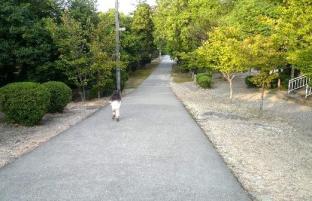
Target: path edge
[252,198]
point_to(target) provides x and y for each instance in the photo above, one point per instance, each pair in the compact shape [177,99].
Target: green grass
[179,76]
[137,77]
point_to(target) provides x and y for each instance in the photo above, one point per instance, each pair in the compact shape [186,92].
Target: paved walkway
[156,153]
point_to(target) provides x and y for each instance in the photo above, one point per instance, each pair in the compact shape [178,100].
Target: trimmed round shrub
[204,80]
[249,83]
[61,95]
[199,75]
[24,102]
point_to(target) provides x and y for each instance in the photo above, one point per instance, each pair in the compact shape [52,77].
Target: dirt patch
[269,152]
[17,140]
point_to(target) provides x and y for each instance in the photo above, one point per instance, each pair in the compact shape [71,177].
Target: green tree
[73,48]
[142,31]
[223,52]
[101,68]
[26,48]
[263,53]
[261,48]
[294,28]
[83,11]
[182,25]
[250,16]
[102,50]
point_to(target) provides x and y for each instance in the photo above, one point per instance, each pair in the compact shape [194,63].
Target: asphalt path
[156,152]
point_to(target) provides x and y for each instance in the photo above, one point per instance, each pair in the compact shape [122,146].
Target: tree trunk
[229,78]
[279,83]
[83,98]
[99,94]
[231,88]
[292,73]
[81,93]
[262,97]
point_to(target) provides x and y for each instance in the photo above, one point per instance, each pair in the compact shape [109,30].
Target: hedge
[61,95]
[24,102]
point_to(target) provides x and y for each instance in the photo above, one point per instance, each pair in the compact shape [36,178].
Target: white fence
[297,83]
[300,82]
[308,91]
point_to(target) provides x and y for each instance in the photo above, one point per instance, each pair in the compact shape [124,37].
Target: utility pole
[117,46]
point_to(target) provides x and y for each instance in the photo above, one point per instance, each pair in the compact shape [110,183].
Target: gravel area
[269,152]
[17,140]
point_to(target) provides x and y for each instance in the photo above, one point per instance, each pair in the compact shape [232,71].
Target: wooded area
[232,36]
[69,41]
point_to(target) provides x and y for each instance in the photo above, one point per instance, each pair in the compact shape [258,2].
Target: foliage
[137,41]
[264,79]
[204,80]
[83,11]
[26,48]
[123,78]
[265,55]
[24,102]
[261,45]
[73,48]
[142,27]
[61,95]
[181,25]
[193,61]
[223,51]
[294,30]
[199,75]
[137,47]
[101,50]
[263,34]
[251,16]
[284,78]
[249,82]
[68,40]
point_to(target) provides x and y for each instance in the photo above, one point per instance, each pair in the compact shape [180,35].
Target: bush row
[204,80]
[25,103]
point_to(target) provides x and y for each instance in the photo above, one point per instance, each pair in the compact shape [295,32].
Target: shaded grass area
[138,76]
[179,76]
